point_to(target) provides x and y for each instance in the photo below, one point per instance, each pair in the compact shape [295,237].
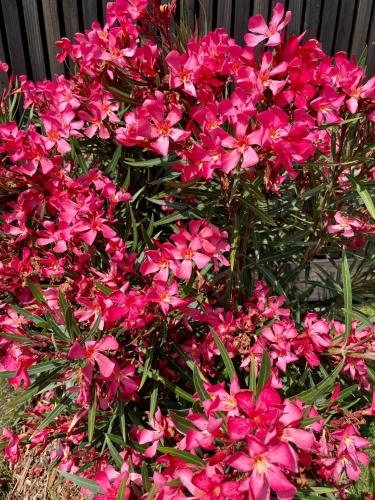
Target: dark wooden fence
[29,28]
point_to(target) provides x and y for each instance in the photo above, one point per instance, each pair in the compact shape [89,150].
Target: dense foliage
[168,210]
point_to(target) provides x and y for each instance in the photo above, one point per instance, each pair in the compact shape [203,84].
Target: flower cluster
[157,208]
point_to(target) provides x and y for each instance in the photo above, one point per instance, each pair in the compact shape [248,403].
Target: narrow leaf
[121,495]
[264,372]
[198,384]
[347,289]
[119,461]
[224,354]
[91,417]
[183,455]
[39,297]
[367,200]
[310,396]
[82,482]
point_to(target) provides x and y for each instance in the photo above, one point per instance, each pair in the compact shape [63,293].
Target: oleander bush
[166,209]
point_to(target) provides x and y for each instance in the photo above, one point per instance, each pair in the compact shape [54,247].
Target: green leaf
[183,455]
[18,338]
[150,495]
[154,399]
[102,288]
[347,289]
[42,383]
[38,296]
[198,384]
[264,372]
[181,423]
[53,414]
[363,58]
[174,388]
[267,219]
[119,461]
[121,495]
[71,323]
[115,159]
[310,396]
[52,325]
[146,238]
[91,417]
[95,326]
[225,356]
[360,317]
[253,375]
[134,229]
[147,366]
[366,198]
[146,163]
[145,479]
[271,279]
[38,321]
[82,482]
[170,218]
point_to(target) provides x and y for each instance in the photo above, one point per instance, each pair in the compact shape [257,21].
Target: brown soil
[33,479]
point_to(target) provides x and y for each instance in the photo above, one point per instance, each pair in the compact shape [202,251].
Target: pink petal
[107,343]
[161,146]
[257,24]
[77,351]
[279,483]
[201,259]
[106,366]
[240,461]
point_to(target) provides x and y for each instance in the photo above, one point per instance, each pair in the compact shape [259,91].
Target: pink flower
[345,224]
[327,105]
[240,146]
[259,30]
[89,226]
[266,464]
[158,262]
[162,126]
[207,487]
[182,68]
[123,381]
[110,482]
[350,440]
[208,430]
[166,296]
[59,237]
[160,426]
[12,449]
[93,353]
[3,67]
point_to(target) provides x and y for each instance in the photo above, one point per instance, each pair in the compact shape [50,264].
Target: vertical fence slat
[312,18]
[241,20]
[205,16]
[51,22]
[261,7]
[327,29]
[361,27]
[104,8]
[34,39]
[344,26]
[71,21]
[187,12]
[321,18]
[90,12]
[14,36]
[371,46]
[294,27]
[4,81]
[224,14]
